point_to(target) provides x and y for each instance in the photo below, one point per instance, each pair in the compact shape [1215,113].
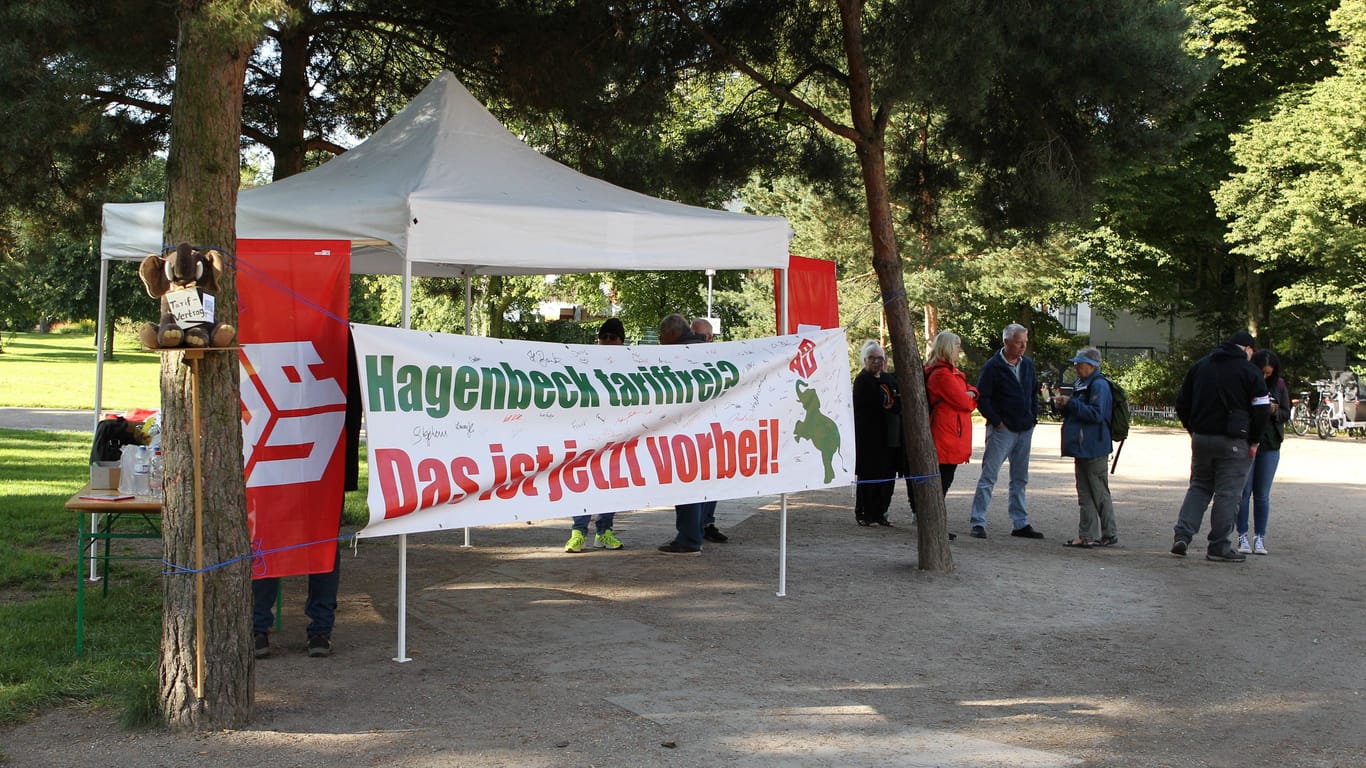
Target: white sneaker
[1259,545]
[1242,544]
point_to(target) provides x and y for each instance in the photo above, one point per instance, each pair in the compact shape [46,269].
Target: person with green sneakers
[611,333]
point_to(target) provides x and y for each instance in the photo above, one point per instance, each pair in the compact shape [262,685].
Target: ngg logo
[292,420]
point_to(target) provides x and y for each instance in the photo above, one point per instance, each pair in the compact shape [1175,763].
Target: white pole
[402,599]
[403,538]
[782,550]
[710,274]
[93,570]
[782,525]
[469,297]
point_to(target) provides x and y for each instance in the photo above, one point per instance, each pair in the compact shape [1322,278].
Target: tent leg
[93,570]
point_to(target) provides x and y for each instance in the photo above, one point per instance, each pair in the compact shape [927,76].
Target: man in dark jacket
[675,329]
[1224,405]
[1007,397]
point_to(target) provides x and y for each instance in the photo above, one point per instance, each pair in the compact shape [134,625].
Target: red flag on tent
[811,285]
[292,315]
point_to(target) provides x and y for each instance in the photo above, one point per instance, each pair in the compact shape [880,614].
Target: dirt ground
[1028,654]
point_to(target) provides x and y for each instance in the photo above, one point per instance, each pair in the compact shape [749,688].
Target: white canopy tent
[443,189]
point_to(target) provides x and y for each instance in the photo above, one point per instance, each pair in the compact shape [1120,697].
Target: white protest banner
[464,431]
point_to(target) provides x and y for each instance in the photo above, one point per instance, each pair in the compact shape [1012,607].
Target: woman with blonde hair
[951,400]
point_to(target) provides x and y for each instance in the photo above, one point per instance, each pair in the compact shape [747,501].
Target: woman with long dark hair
[1258,486]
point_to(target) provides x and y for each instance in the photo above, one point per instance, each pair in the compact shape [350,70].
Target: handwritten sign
[187,308]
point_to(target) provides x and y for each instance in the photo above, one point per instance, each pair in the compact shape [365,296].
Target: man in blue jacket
[1086,438]
[1006,397]
[1224,405]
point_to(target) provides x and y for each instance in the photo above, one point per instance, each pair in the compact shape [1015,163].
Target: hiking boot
[1027,532]
[978,532]
[1243,546]
[713,534]
[1179,546]
[319,645]
[262,641]
[575,543]
[1229,555]
[1258,545]
[607,540]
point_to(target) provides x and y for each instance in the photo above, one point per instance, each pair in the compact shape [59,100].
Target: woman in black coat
[877,436]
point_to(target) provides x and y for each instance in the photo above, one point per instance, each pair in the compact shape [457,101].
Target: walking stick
[1116,461]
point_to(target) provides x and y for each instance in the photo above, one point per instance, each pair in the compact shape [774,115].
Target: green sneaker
[575,543]
[607,540]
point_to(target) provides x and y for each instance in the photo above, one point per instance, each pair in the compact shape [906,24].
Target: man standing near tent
[702,327]
[675,329]
[612,334]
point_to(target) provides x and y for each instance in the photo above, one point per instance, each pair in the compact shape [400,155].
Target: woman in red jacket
[951,401]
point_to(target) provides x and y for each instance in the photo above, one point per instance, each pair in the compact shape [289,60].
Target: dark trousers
[320,607]
[688,521]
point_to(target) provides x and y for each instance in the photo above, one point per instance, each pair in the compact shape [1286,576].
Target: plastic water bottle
[142,472]
[155,480]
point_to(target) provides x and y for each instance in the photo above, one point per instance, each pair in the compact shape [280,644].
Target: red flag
[292,297]
[811,287]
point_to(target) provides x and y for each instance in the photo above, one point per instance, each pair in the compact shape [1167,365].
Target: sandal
[1081,542]
[1107,541]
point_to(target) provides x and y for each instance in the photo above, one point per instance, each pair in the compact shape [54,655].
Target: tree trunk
[928,498]
[108,340]
[292,98]
[201,200]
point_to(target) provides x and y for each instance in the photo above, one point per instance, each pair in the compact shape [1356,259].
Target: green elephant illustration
[820,429]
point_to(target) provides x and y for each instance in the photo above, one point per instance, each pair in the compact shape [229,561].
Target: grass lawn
[57,370]
[39,667]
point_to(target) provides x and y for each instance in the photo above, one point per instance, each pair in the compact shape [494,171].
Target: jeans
[1258,488]
[1219,467]
[708,513]
[1096,508]
[320,607]
[604,522]
[688,521]
[1002,444]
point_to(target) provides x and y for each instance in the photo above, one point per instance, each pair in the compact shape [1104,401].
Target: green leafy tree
[1035,100]
[1157,222]
[1298,207]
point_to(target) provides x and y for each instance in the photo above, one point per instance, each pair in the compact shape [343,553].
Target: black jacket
[1222,394]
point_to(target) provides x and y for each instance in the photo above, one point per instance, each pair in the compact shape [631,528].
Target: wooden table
[136,518]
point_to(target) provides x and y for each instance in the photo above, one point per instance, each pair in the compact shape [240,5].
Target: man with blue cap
[1086,438]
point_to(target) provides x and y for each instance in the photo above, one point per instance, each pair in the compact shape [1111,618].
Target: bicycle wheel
[1324,424]
[1300,419]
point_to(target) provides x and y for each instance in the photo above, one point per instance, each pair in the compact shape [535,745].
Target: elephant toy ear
[153,274]
[211,262]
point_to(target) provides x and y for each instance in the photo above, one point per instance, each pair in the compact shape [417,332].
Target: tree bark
[201,202]
[928,498]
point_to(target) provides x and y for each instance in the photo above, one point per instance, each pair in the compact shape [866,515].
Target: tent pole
[99,394]
[469,315]
[782,525]
[402,655]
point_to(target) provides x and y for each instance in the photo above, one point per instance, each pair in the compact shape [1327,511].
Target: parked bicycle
[1339,411]
[1303,410]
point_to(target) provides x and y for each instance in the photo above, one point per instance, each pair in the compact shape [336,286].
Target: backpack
[1119,411]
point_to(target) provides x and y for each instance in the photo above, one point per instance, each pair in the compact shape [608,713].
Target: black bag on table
[110,437]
